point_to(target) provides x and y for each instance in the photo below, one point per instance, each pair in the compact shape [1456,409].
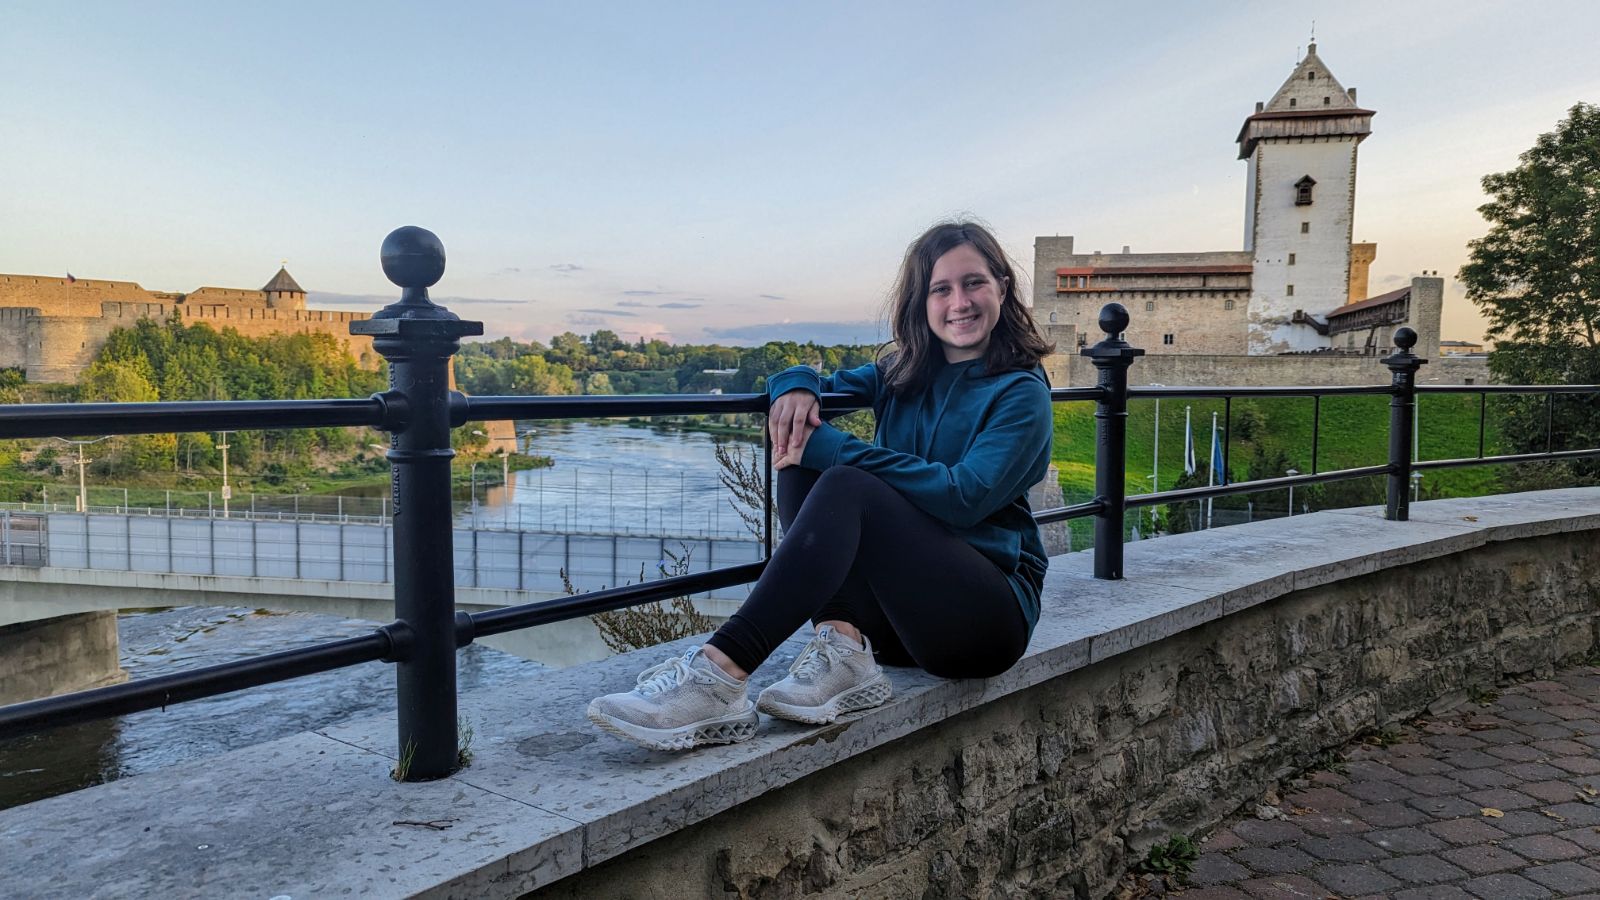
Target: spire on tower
[1311,103]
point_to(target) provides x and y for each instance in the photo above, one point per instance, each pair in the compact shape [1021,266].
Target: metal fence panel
[366,551]
[149,547]
[277,550]
[591,562]
[319,552]
[108,542]
[69,545]
[497,559]
[233,547]
[190,543]
[543,556]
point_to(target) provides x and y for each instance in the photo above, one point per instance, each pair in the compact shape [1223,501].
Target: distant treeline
[603,363]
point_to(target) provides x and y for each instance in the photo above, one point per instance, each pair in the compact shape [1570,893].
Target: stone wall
[1054,791]
[59,655]
[1071,370]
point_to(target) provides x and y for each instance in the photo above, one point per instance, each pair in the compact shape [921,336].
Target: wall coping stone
[546,795]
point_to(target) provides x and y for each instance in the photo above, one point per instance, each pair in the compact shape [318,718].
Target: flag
[70,279]
[1188,444]
[1218,475]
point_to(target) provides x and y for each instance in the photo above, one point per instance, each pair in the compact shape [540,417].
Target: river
[607,478]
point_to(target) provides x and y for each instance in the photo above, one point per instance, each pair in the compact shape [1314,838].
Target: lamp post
[475,494]
[1291,473]
[1155,459]
[83,490]
[227,492]
[1416,485]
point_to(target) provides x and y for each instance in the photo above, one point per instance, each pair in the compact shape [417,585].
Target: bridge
[1168,681]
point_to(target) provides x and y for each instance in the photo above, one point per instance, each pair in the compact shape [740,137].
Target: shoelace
[818,654]
[663,676]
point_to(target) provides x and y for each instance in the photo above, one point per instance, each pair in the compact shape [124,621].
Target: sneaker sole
[729,729]
[875,692]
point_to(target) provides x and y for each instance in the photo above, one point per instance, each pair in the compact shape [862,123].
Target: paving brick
[1263,832]
[1544,848]
[1570,712]
[1432,785]
[1419,765]
[1408,748]
[1221,842]
[1215,893]
[1578,765]
[1565,877]
[1485,778]
[1280,860]
[1534,687]
[1445,807]
[1550,791]
[1546,731]
[1515,701]
[1424,869]
[1500,736]
[1282,887]
[1506,886]
[1323,800]
[1452,742]
[1587,838]
[1349,880]
[1328,825]
[1369,769]
[1470,759]
[1563,697]
[1343,848]
[1484,859]
[1528,716]
[1577,813]
[1533,771]
[1215,868]
[1524,822]
[1518,752]
[1501,798]
[1405,840]
[1462,832]
[1433,892]
[1325,778]
[1561,747]
[1391,815]
[1377,791]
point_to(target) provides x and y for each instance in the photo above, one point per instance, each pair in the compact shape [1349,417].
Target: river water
[607,478]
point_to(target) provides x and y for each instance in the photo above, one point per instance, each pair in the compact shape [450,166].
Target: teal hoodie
[964,451]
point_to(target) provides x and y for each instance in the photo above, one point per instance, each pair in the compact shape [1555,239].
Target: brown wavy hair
[916,354]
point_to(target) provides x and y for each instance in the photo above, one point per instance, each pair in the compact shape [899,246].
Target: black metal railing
[418,339]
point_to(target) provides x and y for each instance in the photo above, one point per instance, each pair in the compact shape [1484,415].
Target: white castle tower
[1300,147]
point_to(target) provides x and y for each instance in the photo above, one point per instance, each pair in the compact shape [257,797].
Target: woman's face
[963,303]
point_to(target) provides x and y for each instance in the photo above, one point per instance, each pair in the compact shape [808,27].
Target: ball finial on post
[1405,338]
[1113,319]
[413,257]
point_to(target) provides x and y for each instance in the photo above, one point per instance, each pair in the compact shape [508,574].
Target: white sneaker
[682,703]
[831,677]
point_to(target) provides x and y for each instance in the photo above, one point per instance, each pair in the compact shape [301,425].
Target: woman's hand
[790,420]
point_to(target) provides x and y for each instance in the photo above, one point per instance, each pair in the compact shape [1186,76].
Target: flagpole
[1211,468]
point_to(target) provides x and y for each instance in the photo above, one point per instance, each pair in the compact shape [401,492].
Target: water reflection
[164,641]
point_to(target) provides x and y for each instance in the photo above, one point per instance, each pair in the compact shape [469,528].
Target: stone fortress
[1291,307]
[52,328]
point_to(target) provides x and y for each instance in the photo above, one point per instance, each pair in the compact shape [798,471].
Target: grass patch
[1173,858]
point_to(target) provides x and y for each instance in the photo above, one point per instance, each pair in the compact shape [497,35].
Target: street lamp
[227,492]
[475,493]
[83,490]
[1416,485]
[1292,473]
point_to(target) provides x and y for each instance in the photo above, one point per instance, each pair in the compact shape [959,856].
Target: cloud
[586,319]
[607,312]
[643,293]
[324,298]
[566,268]
[678,306]
[632,303]
[816,332]
[509,270]
[771,297]
[1392,279]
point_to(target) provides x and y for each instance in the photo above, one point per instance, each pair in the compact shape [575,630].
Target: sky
[726,172]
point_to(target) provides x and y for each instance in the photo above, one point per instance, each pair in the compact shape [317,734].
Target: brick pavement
[1496,800]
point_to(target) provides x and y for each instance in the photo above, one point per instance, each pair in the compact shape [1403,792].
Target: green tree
[1536,276]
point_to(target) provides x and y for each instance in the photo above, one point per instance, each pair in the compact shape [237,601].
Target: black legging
[857,551]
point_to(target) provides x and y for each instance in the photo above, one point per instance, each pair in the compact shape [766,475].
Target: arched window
[1052,318]
[1302,191]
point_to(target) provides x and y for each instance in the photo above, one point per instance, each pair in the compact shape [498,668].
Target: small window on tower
[1311,76]
[1305,227]
[1289,292]
[1327,101]
[1149,306]
[1302,190]
[1291,259]
[1227,304]
[1166,339]
[1291,101]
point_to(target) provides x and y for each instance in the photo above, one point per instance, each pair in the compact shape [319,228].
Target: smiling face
[963,303]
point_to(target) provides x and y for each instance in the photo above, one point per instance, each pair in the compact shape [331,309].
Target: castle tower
[283,293]
[1300,148]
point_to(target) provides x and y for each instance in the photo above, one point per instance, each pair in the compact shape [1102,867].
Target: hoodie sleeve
[862,382]
[1000,465]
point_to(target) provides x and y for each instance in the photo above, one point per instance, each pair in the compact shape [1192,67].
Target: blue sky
[733,172]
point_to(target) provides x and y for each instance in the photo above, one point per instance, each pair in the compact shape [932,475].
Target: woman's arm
[996,469]
[792,416]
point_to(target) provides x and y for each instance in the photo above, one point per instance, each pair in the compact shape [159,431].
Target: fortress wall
[58,297]
[1261,371]
[14,336]
[231,296]
[59,347]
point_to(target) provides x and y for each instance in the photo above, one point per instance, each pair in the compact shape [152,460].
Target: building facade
[53,328]
[1299,284]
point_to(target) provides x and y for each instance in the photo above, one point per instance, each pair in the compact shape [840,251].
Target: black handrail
[419,338]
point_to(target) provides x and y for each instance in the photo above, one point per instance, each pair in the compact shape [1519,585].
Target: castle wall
[14,336]
[1262,371]
[59,297]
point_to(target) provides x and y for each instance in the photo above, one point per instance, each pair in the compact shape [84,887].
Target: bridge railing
[418,339]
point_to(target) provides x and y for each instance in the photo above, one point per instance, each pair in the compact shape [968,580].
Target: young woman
[918,549]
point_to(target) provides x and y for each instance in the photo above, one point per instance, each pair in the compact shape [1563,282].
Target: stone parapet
[1143,707]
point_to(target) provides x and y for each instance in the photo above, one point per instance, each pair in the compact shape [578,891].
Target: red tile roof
[1370,302]
[1244,269]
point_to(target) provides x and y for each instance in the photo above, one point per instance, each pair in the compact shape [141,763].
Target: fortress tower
[1300,148]
[283,293]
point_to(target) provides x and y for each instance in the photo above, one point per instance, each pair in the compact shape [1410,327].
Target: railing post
[1112,357]
[1402,413]
[418,339]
